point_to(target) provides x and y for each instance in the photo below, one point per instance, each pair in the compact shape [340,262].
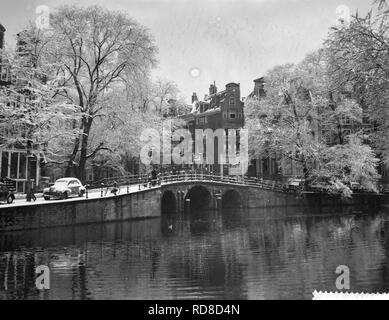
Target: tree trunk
[70,166]
[84,149]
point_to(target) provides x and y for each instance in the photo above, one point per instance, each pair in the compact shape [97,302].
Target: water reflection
[261,254]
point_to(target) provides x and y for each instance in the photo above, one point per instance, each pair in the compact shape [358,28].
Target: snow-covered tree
[96,51]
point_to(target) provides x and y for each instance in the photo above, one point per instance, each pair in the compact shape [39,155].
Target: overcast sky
[205,40]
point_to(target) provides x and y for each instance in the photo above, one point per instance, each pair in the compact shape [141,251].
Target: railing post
[86,191]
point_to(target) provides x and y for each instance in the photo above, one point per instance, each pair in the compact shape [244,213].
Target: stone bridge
[203,194]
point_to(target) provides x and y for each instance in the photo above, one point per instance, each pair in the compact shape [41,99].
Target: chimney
[194,97]
[212,89]
[2,32]
[259,85]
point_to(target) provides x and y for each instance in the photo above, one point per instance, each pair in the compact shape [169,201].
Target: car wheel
[65,195]
[10,199]
[81,194]
[46,198]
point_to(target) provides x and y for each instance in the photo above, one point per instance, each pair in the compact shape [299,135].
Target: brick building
[2,34]
[14,159]
[218,110]
[3,66]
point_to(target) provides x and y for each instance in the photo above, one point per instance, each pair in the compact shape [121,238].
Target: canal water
[260,254]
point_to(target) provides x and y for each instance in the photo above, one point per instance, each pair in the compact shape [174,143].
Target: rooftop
[262,79]
[232,84]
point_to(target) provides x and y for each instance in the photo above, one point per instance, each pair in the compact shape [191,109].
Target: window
[14,165]
[346,132]
[239,115]
[22,166]
[4,163]
[345,120]
[224,115]
[326,136]
[232,101]
[4,74]
[365,120]
[202,120]
[232,115]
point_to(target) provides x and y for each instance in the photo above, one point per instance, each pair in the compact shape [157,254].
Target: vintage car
[294,184]
[355,187]
[6,194]
[64,188]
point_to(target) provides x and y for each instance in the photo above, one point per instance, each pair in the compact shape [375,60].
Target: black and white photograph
[207,151]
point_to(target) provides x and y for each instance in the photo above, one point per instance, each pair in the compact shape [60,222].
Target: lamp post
[201,163]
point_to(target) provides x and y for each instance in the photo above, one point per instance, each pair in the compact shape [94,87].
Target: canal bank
[137,205]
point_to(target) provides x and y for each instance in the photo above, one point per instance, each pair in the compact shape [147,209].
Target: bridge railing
[120,181]
[265,184]
[145,181]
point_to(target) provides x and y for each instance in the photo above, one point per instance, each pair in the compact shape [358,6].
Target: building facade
[219,110]
[15,161]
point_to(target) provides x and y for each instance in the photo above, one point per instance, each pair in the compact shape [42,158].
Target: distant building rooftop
[262,79]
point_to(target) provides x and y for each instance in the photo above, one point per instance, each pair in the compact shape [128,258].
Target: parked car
[64,188]
[6,194]
[318,187]
[355,187]
[294,184]
[318,184]
[384,189]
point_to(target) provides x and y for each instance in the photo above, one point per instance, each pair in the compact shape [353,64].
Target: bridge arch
[168,202]
[232,199]
[200,198]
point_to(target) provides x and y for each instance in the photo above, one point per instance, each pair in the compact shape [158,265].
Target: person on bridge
[115,190]
[154,177]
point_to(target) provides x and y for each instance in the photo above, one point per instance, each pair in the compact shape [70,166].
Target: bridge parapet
[234,180]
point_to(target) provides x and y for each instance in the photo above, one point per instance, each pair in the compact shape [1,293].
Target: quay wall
[142,204]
